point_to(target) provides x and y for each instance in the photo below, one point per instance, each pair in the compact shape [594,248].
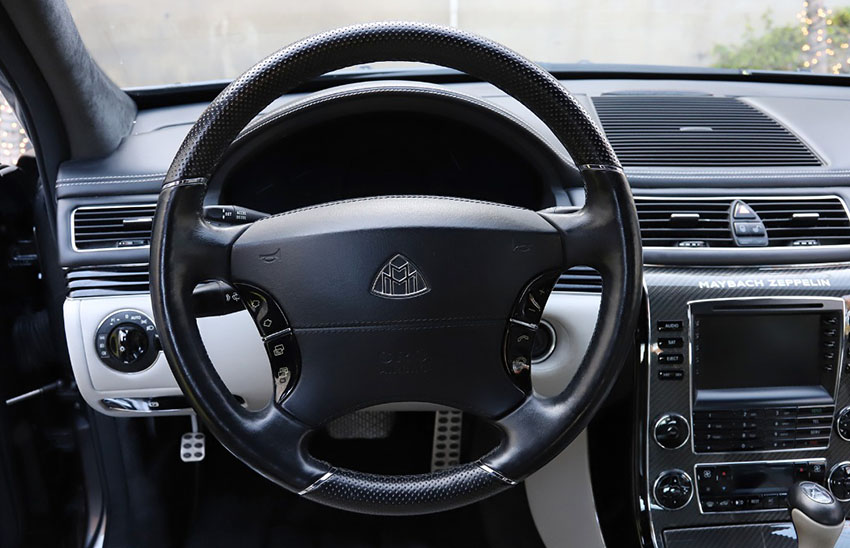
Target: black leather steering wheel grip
[320,263]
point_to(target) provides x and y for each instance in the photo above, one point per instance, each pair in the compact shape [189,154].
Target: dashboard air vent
[697,131]
[804,221]
[112,227]
[107,280]
[684,223]
[580,279]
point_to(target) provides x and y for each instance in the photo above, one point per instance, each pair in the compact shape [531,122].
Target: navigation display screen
[757,350]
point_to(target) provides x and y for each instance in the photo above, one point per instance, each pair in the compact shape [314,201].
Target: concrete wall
[165,41]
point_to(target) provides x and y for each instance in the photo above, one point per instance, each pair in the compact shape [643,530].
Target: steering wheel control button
[530,307]
[519,346]
[673,489]
[839,481]
[671,431]
[266,313]
[284,359]
[127,341]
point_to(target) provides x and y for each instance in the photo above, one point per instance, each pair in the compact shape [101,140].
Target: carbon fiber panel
[776,535]
[669,290]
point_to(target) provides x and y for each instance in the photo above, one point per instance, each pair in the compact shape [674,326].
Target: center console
[744,394]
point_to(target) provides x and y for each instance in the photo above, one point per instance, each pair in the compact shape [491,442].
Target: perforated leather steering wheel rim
[186,250]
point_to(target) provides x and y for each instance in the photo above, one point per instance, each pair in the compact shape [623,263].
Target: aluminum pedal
[445,449]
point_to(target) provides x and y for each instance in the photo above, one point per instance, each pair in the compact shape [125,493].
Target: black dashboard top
[356,155]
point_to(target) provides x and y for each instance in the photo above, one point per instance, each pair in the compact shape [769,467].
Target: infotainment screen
[757,350]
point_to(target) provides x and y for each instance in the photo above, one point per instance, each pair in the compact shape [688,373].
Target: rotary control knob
[127,341]
[842,424]
[671,431]
[673,489]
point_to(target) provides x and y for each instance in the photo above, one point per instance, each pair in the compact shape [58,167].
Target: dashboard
[742,193]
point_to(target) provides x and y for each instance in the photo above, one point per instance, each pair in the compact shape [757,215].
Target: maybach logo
[764,282]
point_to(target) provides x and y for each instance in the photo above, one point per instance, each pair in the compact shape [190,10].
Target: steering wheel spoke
[594,235]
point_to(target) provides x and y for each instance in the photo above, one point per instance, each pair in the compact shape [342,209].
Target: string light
[821,38]
[13,139]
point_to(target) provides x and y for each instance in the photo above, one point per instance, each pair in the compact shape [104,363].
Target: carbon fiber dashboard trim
[669,290]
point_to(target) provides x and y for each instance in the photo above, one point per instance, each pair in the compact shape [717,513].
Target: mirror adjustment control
[127,341]
[673,489]
[671,431]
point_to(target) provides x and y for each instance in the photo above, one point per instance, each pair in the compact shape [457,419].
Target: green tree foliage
[783,47]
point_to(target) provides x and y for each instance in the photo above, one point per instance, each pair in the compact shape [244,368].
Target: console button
[783,423]
[781,412]
[742,211]
[671,431]
[807,432]
[673,489]
[671,359]
[814,421]
[815,442]
[816,411]
[783,444]
[671,375]
[769,502]
[670,325]
[723,505]
[670,342]
[749,229]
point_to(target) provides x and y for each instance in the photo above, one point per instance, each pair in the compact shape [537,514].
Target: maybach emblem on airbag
[399,278]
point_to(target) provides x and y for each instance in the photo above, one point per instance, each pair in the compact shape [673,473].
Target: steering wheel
[396,298]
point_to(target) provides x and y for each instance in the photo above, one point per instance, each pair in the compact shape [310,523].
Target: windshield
[158,42]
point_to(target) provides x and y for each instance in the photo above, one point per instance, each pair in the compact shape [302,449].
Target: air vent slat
[792,221]
[658,227]
[119,227]
[108,280]
[788,222]
[580,279]
[705,131]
